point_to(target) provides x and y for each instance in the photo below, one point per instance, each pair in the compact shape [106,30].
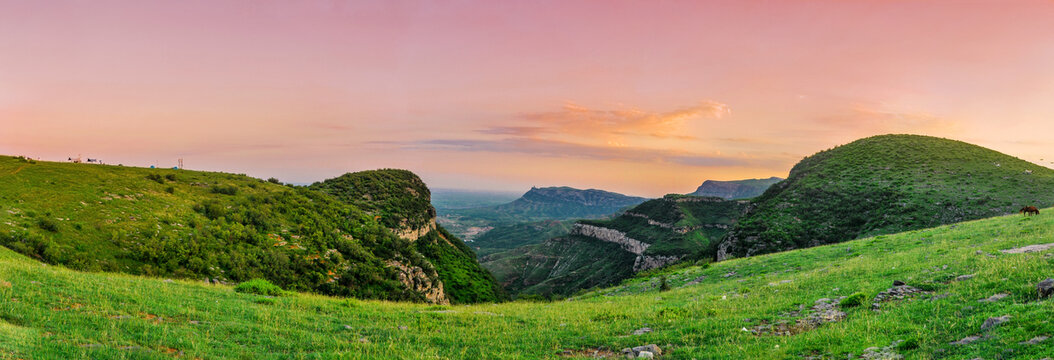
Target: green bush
[909,344]
[663,284]
[260,287]
[156,178]
[170,190]
[170,177]
[48,224]
[225,189]
[854,300]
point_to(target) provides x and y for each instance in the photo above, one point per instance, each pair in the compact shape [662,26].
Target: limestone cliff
[421,281]
[642,262]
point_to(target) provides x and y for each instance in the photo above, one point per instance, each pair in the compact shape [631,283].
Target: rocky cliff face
[610,235]
[412,234]
[423,282]
[642,262]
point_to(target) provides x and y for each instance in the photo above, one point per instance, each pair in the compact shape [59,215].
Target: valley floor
[735,309]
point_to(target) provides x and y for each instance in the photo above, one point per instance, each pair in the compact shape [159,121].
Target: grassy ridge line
[883,185]
[193,224]
[54,313]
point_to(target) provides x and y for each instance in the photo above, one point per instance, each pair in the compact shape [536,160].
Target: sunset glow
[638,97]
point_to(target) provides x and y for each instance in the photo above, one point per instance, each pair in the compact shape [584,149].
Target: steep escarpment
[886,184]
[602,252]
[735,189]
[401,200]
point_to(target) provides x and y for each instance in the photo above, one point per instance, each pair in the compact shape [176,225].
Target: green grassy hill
[726,310]
[202,225]
[735,189]
[400,200]
[603,252]
[886,184]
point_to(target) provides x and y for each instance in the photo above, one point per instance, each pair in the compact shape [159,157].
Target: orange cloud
[581,121]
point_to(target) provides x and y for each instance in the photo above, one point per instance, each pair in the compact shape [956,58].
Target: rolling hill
[603,252]
[817,303]
[223,228]
[735,189]
[882,185]
[402,201]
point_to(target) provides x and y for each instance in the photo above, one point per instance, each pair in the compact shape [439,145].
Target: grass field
[48,312]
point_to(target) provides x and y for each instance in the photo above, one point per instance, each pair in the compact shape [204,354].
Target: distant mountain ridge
[567,202]
[537,204]
[735,189]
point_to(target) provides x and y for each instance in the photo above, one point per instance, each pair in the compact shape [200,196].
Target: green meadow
[711,311]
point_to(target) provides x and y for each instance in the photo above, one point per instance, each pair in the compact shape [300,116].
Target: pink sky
[640,97]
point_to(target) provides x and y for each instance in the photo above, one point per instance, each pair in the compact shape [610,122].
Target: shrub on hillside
[48,224]
[260,287]
[224,189]
[156,178]
[170,177]
[854,300]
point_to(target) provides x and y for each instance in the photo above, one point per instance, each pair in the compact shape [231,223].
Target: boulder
[1045,288]
[994,298]
[994,321]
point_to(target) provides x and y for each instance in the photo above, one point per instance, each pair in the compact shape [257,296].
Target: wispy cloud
[561,149]
[577,120]
[576,131]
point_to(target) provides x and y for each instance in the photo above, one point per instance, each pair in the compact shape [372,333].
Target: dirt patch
[1028,249]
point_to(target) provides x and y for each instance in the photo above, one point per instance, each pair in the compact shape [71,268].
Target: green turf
[49,312]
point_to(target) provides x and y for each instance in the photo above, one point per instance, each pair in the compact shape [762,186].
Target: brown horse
[1029,210]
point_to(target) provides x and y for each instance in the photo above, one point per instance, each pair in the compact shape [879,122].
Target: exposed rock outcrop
[610,235]
[643,262]
[413,234]
[647,262]
[424,282]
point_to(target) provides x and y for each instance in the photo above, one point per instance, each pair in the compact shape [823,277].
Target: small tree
[663,284]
